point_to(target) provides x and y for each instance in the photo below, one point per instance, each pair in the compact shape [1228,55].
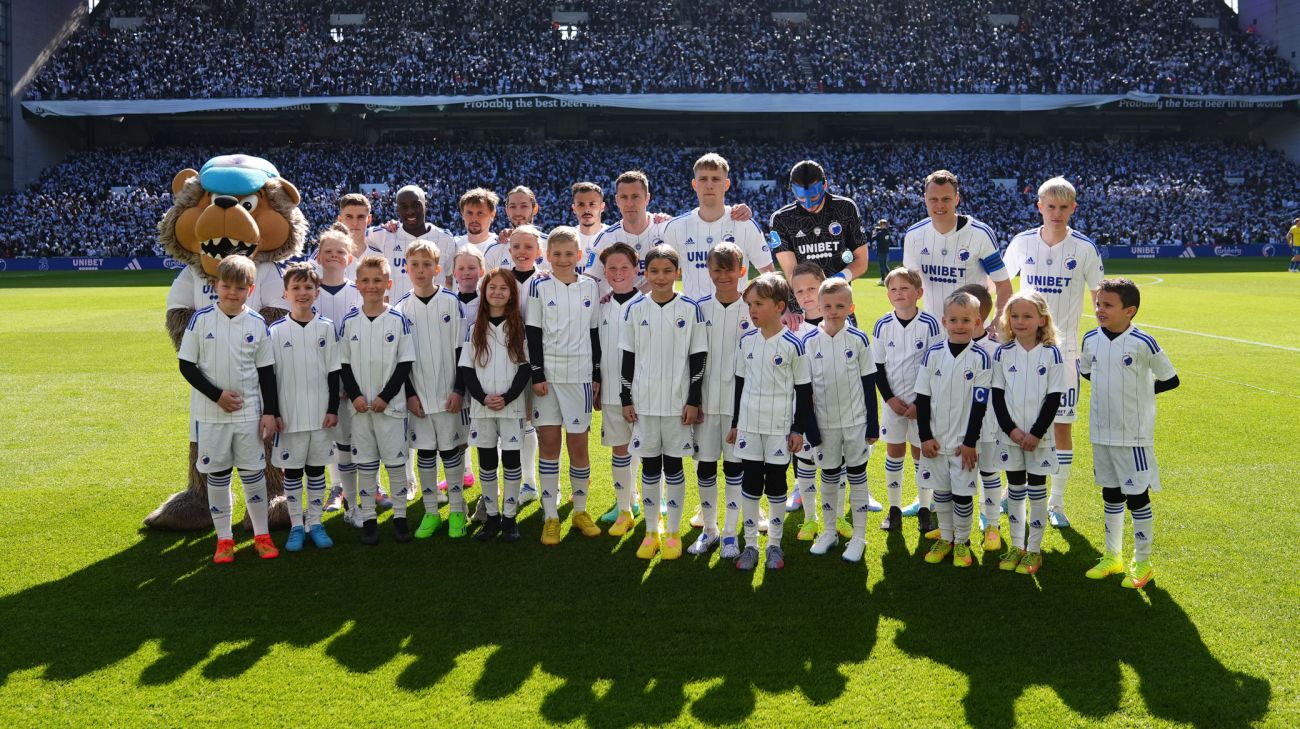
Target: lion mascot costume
[236,205]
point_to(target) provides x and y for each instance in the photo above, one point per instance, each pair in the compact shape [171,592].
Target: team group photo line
[400,344]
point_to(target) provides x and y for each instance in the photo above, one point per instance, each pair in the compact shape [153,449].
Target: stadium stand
[107,202]
[289,48]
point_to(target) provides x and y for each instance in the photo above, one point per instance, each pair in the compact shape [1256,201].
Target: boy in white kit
[844,400]
[1127,370]
[338,298]
[952,393]
[899,342]
[1061,264]
[726,318]
[437,423]
[662,372]
[621,265]
[307,368]
[376,357]
[990,466]
[225,355]
[563,333]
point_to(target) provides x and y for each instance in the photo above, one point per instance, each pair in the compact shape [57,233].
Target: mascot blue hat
[236,174]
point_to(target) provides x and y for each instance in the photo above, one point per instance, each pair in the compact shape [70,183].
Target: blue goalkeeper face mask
[810,197]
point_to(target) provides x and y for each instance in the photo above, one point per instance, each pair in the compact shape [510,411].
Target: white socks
[1064,460]
[220,504]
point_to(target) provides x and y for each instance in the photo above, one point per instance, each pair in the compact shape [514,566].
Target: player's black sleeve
[1005,421]
[628,370]
[595,354]
[739,390]
[517,385]
[199,381]
[534,337]
[1046,415]
[923,417]
[333,382]
[458,386]
[350,386]
[695,391]
[469,378]
[1166,385]
[972,436]
[805,419]
[882,384]
[869,397]
[270,392]
[400,374]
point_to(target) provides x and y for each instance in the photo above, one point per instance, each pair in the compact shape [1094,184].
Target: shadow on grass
[630,646]
[1008,632]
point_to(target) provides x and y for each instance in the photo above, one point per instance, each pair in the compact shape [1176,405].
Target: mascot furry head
[236,205]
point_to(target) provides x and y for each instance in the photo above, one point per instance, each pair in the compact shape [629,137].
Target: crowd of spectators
[1173,192]
[279,48]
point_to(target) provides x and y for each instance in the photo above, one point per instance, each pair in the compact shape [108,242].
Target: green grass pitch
[104,624]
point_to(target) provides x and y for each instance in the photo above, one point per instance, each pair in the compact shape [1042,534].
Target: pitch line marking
[1145,325]
[1243,384]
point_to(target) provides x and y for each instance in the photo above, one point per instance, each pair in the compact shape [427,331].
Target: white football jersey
[771,368]
[496,374]
[372,348]
[192,290]
[588,245]
[228,351]
[663,337]
[497,255]
[566,314]
[305,355]
[898,350]
[642,242]
[394,245]
[1026,377]
[1062,273]
[837,365]
[954,383]
[611,356]
[1122,411]
[989,430]
[437,329]
[693,238]
[723,324]
[336,303]
[463,241]
[268,292]
[966,254]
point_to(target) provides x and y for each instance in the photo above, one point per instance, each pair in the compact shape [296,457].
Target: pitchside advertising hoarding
[153,263]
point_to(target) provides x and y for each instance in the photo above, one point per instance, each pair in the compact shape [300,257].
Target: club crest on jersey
[1127,359]
[963,255]
[835,229]
[1005,456]
[390,337]
[708,240]
[744,325]
[681,323]
[739,444]
[586,303]
[778,360]
[728,238]
[1042,369]
[446,318]
[925,475]
[249,337]
[968,375]
[848,354]
[1071,264]
[321,342]
[636,442]
[205,460]
[284,455]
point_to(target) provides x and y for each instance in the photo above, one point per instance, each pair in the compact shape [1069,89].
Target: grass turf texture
[102,623]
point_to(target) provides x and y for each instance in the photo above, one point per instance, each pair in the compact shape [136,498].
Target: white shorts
[990,456]
[1041,461]
[895,428]
[504,433]
[614,430]
[774,449]
[662,435]
[1067,413]
[342,433]
[303,448]
[944,473]
[379,437]
[224,446]
[438,431]
[843,447]
[711,440]
[1130,468]
[565,403]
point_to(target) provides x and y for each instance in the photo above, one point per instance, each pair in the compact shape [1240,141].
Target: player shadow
[1006,632]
